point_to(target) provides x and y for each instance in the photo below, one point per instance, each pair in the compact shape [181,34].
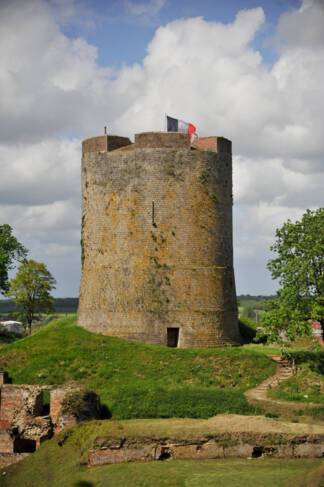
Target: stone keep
[157,251]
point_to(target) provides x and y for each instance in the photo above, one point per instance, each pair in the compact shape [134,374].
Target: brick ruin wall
[157,240]
[16,400]
[25,422]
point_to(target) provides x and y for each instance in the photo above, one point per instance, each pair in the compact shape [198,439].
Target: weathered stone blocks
[17,401]
[214,144]
[239,445]
[104,143]
[162,140]
[6,441]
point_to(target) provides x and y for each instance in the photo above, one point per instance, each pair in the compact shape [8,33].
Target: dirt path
[260,392]
[288,410]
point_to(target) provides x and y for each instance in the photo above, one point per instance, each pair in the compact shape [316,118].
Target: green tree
[31,289]
[299,266]
[10,251]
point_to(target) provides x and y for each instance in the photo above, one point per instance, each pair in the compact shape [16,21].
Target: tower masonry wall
[157,248]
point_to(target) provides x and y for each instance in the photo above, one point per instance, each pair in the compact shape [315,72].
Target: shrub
[315,360]
[248,322]
[8,337]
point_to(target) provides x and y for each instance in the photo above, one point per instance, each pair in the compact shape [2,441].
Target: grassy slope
[134,379]
[65,466]
[307,384]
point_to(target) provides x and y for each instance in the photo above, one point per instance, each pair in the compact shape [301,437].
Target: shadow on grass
[105,413]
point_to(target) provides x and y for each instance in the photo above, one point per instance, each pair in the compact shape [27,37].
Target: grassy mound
[135,379]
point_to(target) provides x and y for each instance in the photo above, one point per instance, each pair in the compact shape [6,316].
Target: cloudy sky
[249,70]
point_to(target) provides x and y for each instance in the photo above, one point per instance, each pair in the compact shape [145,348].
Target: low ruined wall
[110,451]
[24,422]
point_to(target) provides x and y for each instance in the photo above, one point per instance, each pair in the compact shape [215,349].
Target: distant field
[249,299]
[251,309]
[70,305]
[61,305]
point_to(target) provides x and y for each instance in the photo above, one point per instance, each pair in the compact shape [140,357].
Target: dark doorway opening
[257,452]
[165,454]
[21,445]
[172,337]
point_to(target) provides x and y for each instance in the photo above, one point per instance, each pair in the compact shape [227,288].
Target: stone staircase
[284,371]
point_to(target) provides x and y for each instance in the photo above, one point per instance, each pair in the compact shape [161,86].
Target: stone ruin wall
[25,422]
[157,248]
[222,445]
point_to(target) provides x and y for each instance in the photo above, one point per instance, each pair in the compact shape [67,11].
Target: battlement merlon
[104,143]
[157,140]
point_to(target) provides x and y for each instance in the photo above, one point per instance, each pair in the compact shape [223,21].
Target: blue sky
[107,24]
[251,71]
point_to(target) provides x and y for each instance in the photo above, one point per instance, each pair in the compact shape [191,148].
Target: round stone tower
[157,252]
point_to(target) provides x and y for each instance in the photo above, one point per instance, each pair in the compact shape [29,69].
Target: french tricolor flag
[176,125]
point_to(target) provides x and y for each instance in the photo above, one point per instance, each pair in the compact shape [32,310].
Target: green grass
[65,466]
[306,386]
[176,473]
[135,379]
[267,350]
[189,402]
